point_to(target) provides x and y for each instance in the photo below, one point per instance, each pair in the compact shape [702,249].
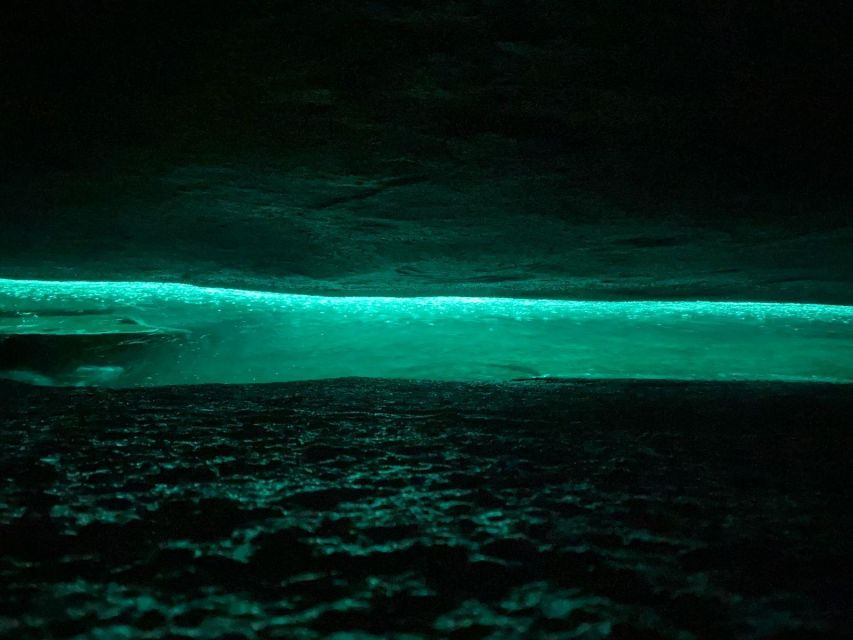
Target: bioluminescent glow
[139,334]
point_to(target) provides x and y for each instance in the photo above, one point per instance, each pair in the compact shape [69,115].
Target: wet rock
[543,544]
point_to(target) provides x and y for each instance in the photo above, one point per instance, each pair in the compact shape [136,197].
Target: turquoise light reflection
[198,334]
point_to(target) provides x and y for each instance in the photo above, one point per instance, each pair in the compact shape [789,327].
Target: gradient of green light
[252,336]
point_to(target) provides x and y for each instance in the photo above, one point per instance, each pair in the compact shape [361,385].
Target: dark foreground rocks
[595,509]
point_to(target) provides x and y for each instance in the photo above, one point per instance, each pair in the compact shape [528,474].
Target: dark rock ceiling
[572,149]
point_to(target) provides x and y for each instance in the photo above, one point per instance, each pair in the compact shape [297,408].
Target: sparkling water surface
[146,333]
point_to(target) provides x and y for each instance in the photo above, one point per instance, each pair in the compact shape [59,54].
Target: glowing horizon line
[8,286]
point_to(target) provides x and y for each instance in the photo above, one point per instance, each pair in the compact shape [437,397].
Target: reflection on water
[129,334]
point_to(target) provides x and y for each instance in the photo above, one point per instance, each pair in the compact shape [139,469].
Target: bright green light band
[230,335]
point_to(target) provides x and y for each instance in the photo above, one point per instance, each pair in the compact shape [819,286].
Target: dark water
[398,509]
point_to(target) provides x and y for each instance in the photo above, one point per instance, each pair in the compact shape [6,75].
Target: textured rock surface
[563,509]
[552,148]
[437,230]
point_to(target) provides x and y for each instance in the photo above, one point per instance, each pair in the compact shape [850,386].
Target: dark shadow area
[516,148]
[607,509]
[753,95]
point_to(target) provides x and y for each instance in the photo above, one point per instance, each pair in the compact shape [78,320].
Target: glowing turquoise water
[224,335]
